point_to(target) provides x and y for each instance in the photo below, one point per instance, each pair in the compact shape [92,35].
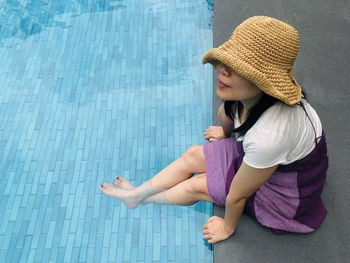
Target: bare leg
[185,193]
[192,161]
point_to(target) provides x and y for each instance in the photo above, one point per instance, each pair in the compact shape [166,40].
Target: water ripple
[21,19]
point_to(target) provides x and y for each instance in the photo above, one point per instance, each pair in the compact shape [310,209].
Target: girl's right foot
[122,183]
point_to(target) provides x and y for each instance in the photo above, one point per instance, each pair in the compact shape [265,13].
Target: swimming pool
[91,90]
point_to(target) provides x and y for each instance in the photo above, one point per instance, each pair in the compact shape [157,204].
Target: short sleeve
[282,135]
[265,149]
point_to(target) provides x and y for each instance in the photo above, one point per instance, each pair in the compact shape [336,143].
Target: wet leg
[185,193]
[192,161]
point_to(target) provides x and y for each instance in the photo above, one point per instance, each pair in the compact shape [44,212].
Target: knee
[193,154]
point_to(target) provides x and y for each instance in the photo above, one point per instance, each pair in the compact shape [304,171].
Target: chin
[224,95]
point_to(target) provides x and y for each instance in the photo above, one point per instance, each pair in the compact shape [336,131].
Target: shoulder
[282,118]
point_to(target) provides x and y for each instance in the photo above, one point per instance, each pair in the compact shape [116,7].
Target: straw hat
[263,50]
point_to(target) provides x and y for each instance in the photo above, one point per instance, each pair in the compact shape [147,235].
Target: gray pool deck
[322,69]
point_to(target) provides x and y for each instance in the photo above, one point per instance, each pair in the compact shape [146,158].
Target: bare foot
[125,195]
[122,183]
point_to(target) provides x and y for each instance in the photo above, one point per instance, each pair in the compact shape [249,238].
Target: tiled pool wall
[91,90]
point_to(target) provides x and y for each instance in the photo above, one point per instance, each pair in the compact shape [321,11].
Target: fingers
[213,133]
[213,232]
[206,237]
[210,239]
[206,231]
[211,219]
[207,134]
[209,130]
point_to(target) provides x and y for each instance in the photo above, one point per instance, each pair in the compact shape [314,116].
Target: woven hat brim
[279,83]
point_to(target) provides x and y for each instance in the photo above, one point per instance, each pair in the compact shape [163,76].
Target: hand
[214,133]
[215,230]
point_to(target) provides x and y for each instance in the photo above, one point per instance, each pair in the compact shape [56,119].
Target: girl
[268,157]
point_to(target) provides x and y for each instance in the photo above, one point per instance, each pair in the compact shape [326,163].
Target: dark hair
[265,102]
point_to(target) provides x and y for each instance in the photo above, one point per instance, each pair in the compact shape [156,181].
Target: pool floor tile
[92,90]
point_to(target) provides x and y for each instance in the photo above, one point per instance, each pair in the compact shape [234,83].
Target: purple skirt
[222,160]
[290,200]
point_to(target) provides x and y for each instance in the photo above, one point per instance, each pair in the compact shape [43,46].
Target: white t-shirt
[282,135]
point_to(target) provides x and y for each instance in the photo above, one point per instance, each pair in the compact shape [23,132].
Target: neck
[248,104]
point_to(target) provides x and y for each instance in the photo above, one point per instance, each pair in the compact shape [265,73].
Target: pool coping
[315,22]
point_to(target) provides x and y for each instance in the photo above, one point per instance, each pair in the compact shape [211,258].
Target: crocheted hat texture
[262,50]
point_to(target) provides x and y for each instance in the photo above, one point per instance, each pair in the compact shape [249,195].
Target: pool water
[91,90]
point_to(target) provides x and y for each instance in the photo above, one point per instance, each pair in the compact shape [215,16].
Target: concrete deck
[322,70]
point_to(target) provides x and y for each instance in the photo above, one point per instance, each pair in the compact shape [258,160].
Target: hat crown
[271,41]
[262,50]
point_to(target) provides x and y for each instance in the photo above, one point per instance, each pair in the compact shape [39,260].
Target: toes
[123,183]
[116,181]
[102,187]
[108,189]
[105,187]
[122,179]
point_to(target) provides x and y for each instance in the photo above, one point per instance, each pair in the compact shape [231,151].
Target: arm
[244,184]
[225,122]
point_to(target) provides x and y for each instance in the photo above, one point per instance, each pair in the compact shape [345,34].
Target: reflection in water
[20,19]
[210,5]
[211,10]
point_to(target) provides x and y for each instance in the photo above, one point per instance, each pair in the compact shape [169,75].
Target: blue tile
[141,246]
[75,254]
[45,255]
[164,254]
[186,246]
[84,116]
[112,252]
[79,233]
[39,249]
[60,254]
[70,206]
[193,254]
[171,246]
[164,232]
[98,249]
[156,247]
[26,247]
[7,237]
[64,233]
[127,250]
[54,249]
[4,221]
[74,221]
[21,234]
[50,234]
[11,247]
[31,255]
[93,233]
[106,232]
[84,247]
[179,256]
[69,248]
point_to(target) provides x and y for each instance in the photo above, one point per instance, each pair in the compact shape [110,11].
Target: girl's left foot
[126,195]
